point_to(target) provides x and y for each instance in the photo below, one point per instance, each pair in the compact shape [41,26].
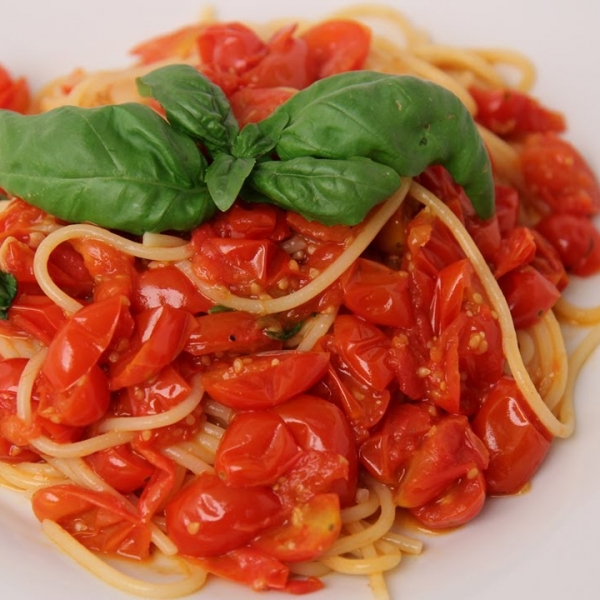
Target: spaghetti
[360,351]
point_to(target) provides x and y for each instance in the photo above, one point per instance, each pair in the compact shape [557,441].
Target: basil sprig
[8,291]
[330,153]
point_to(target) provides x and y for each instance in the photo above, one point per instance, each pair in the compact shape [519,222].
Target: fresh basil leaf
[121,167]
[325,190]
[400,121]
[219,308]
[193,104]
[225,178]
[283,335]
[8,291]
[254,140]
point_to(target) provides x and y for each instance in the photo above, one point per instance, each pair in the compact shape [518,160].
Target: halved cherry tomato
[167,285]
[208,517]
[249,566]
[251,105]
[529,295]
[14,93]
[461,503]
[175,44]
[99,520]
[257,449]
[451,283]
[449,451]
[364,349]
[37,315]
[516,441]
[236,332]
[396,439]
[378,294]
[266,379]
[576,240]
[307,534]
[285,63]
[556,173]
[251,221]
[317,424]
[121,467]
[230,47]
[80,342]
[161,334]
[79,405]
[509,112]
[336,46]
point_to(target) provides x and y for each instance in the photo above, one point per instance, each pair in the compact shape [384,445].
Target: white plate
[539,545]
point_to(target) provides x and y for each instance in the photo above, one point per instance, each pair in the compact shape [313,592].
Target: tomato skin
[557,174]
[459,505]
[284,65]
[208,517]
[576,240]
[121,468]
[307,534]
[257,449]
[378,294]
[14,93]
[38,316]
[529,295]
[517,444]
[397,437]
[317,424]
[449,451]
[167,285]
[251,105]
[161,334]
[81,404]
[178,43]
[80,342]
[98,520]
[336,46]
[509,112]
[230,47]
[266,380]
[236,332]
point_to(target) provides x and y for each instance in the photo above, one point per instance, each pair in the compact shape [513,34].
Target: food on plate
[271,286]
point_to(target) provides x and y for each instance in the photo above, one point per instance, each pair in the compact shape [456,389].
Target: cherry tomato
[251,105]
[336,46]
[509,112]
[284,65]
[121,467]
[167,285]
[80,342]
[79,405]
[236,332]
[161,334]
[14,93]
[208,517]
[556,173]
[451,284]
[230,47]
[266,379]
[37,315]
[363,348]
[396,439]
[517,249]
[176,44]
[257,449]
[529,295]
[307,534]
[378,294]
[576,240]
[516,442]
[449,451]
[459,505]
[251,222]
[317,424]
[99,520]
[249,566]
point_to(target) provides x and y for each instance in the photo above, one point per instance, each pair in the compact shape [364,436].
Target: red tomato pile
[408,386]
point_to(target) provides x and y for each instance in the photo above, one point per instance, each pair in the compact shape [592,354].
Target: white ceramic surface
[540,545]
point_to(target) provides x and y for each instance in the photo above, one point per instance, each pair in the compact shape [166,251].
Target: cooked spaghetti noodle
[177,427]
